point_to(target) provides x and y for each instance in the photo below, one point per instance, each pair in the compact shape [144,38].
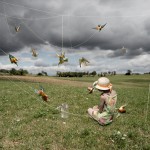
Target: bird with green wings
[13,59]
[62,58]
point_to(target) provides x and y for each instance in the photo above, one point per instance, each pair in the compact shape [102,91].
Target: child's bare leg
[92,112]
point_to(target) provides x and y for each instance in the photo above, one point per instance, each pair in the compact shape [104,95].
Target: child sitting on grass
[105,111]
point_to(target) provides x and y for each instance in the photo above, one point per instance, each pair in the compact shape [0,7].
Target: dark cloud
[38,26]
[8,42]
[131,53]
[116,4]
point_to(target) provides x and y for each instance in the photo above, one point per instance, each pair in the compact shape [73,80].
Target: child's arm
[102,102]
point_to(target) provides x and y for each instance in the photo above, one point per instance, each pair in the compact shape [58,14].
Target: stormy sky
[56,25]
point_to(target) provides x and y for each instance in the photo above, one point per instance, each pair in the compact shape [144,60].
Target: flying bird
[41,93]
[17,28]
[13,59]
[34,53]
[90,89]
[62,58]
[83,61]
[100,27]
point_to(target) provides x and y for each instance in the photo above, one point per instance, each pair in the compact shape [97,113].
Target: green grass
[117,79]
[28,123]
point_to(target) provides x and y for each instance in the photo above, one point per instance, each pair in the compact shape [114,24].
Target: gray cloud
[40,63]
[122,29]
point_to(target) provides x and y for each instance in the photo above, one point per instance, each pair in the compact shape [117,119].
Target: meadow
[28,123]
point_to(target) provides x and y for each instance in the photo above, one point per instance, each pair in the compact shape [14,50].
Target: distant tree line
[129,72]
[147,73]
[4,71]
[13,71]
[75,74]
[103,74]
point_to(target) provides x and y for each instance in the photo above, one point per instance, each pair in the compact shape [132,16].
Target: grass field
[28,123]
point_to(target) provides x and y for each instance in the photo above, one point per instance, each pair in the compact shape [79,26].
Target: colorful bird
[34,53]
[62,58]
[41,93]
[17,28]
[83,61]
[90,89]
[13,59]
[100,27]
[122,109]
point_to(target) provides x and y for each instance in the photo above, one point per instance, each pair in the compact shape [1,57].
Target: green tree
[93,73]
[129,72]
[13,71]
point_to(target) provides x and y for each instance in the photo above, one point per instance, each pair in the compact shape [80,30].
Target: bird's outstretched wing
[103,25]
[57,55]
[65,59]
[85,60]
[63,54]
[17,28]
[80,62]
[41,88]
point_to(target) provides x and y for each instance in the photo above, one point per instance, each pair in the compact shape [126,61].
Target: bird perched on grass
[122,109]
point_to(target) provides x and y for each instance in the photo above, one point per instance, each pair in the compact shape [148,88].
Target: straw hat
[103,83]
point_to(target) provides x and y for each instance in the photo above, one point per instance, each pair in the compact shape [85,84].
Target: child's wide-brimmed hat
[103,83]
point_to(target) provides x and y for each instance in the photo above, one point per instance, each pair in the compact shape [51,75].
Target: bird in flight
[62,58]
[13,59]
[83,61]
[17,28]
[34,53]
[99,27]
